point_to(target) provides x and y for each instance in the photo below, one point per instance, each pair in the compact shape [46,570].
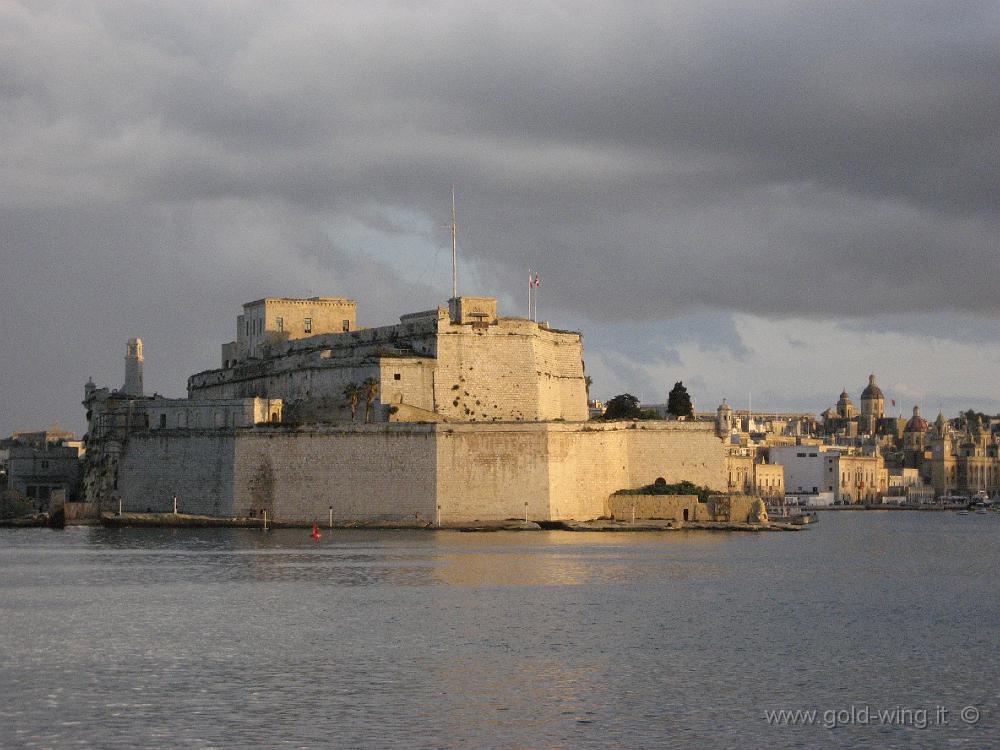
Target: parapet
[473,310]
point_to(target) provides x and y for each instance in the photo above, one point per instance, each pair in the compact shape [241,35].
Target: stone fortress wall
[435,472]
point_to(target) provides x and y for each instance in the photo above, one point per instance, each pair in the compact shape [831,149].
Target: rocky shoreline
[184,520]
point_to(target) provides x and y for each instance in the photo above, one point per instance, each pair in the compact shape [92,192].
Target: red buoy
[315,533]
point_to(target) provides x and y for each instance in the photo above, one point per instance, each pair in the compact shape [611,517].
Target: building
[43,464]
[963,461]
[851,477]
[266,323]
[454,414]
[463,364]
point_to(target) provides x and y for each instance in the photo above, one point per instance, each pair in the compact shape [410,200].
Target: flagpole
[454,248]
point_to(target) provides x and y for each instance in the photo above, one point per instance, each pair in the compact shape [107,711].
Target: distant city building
[42,463]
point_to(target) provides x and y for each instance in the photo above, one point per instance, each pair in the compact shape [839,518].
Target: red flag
[893,401]
[538,282]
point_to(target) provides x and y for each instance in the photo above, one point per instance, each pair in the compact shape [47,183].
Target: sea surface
[236,638]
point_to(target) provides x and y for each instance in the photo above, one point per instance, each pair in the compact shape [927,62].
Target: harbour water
[239,638]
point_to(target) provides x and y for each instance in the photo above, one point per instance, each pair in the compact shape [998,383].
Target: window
[308,325]
[397,376]
[346,325]
[279,323]
[247,322]
[163,420]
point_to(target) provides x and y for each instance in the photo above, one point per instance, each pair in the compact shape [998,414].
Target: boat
[963,512]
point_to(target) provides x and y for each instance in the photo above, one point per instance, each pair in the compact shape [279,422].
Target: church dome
[724,407]
[872,391]
[917,423]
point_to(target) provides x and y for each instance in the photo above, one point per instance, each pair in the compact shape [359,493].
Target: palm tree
[370,388]
[352,392]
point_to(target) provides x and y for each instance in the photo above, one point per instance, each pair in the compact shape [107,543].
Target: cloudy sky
[768,197]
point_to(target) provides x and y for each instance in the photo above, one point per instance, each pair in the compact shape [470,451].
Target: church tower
[133,368]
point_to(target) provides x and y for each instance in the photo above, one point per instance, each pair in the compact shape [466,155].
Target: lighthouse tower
[133,368]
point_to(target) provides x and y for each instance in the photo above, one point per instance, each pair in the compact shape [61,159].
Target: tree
[679,402]
[370,388]
[352,392]
[624,406]
[587,382]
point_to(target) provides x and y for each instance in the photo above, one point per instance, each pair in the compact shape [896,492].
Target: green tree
[352,392]
[679,402]
[588,381]
[624,406]
[370,389]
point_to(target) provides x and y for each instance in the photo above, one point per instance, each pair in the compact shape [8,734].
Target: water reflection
[237,638]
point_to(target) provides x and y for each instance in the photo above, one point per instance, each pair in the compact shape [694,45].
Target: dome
[845,396]
[724,407]
[872,391]
[917,423]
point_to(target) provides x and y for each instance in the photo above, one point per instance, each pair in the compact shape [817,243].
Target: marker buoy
[315,532]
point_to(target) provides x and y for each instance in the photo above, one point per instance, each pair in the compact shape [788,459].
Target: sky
[764,200]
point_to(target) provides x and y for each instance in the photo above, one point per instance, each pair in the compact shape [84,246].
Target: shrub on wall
[660,487]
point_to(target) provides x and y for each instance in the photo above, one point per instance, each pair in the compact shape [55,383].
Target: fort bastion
[466,415]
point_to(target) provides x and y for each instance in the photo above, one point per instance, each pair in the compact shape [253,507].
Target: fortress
[451,415]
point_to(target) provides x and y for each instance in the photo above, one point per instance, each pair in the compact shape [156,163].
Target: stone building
[458,364]
[961,461]
[41,464]
[471,416]
[271,321]
[872,407]
[813,469]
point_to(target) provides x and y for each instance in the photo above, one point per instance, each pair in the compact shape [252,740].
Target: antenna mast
[454,248]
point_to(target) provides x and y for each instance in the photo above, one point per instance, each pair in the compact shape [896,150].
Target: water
[236,638]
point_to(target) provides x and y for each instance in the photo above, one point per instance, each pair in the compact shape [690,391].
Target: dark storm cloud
[161,163]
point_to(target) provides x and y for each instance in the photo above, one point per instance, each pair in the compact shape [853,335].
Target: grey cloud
[162,162]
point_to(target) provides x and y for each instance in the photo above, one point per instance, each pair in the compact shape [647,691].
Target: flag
[537,282]
[893,401]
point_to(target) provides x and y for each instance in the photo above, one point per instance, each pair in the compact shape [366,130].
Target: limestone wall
[197,466]
[676,451]
[455,472]
[664,507]
[512,371]
[488,472]
[361,471]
